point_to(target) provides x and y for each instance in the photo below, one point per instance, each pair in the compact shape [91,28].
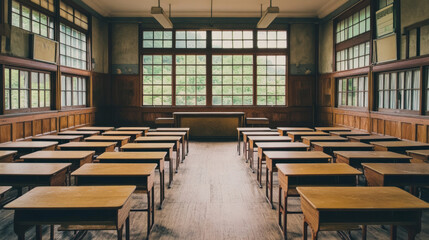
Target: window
[354,25]
[157,80]
[272,39]
[26,89]
[73,91]
[190,80]
[399,90]
[157,39]
[73,15]
[191,39]
[384,3]
[271,80]
[353,92]
[353,57]
[46,4]
[73,50]
[232,80]
[31,20]
[232,39]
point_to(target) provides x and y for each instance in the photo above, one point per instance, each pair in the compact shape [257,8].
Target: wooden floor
[214,196]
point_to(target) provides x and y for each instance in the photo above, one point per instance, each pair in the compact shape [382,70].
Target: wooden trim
[352,10]
[353,72]
[362,38]
[401,64]
[75,71]
[27,63]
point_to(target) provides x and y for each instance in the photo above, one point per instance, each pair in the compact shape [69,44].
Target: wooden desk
[180,134]
[3,191]
[275,146]
[162,139]
[95,128]
[397,174]
[178,130]
[21,175]
[155,147]
[330,147]
[371,138]
[399,146]
[296,136]
[132,134]
[98,147]
[284,130]
[7,156]
[339,208]
[356,158]
[139,157]
[419,156]
[73,206]
[120,140]
[26,147]
[246,140]
[333,129]
[75,158]
[61,139]
[248,129]
[84,133]
[141,175]
[210,124]
[316,174]
[348,134]
[310,139]
[142,129]
[252,140]
[273,158]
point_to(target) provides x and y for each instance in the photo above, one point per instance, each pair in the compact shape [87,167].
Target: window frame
[337,98]
[65,107]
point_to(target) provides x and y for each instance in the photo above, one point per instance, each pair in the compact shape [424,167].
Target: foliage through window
[353,92]
[157,39]
[31,20]
[73,91]
[191,39]
[157,80]
[271,80]
[191,80]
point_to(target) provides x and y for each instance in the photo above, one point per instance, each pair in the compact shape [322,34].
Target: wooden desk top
[76,197]
[399,144]
[265,145]
[57,137]
[94,128]
[351,133]
[295,129]
[372,137]
[122,133]
[107,138]
[35,169]
[166,134]
[261,134]
[311,169]
[296,155]
[87,144]
[173,129]
[340,144]
[323,138]
[133,129]
[270,138]
[79,133]
[360,198]
[157,138]
[3,190]
[333,129]
[147,145]
[423,153]
[115,169]
[7,153]
[58,155]
[253,129]
[208,113]
[399,168]
[308,134]
[132,155]
[27,144]
[370,155]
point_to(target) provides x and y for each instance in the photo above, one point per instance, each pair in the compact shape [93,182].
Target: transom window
[157,39]
[232,39]
[191,39]
[46,4]
[353,25]
[73,15]
[31,20]
[73,91]
[353,92]
[353,57]
[272,39]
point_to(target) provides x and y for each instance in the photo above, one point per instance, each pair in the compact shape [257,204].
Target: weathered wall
[125,48]
[326,47]
[302,49]
[100,45]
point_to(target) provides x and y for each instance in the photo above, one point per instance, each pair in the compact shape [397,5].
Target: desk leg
[283,210]
[38,232]
[305,229]
[183,149]
[177,159]
[127,228]
[150,210]
[259,172]
[238,143]
[52,232]
[269,187]
[187,144]
[364,232]
[170,165]
[119,232]
[161,187]
[393,232]
[247,149]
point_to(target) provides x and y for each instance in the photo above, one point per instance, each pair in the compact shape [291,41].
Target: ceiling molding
[330,7]
[98,7]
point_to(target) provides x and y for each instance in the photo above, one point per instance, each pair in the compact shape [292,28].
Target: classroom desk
[61,139]
[399,146]
[132,134]
[178,130]
[332,129]
[340,208]
[371,138]
[348,134]
[330,147]
[316,174]
[246,139]
[155,147]
[139,174]
[162,139]
[94,128]
[7,156]
[26,147]
[411,175]
[356,158]
[275,146]
[296,136]
[98,147]
[252,140]
[180,134]
[310,139]
[19,175]
[274,157]
[3,191]
[284,130]
[248,129]
[84,133]
[419,156]
[142,129]
[75,158]
[120,140]
[138,157]
[73,206]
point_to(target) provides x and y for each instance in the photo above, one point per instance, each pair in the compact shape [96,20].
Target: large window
[157,39]
[25,90]
[157,80]
[191,39]
[352,92]
[353,57]
[271,80]
[73,51]
[73,15]
[32,20]
[354,25]
[73,91]
[190,80]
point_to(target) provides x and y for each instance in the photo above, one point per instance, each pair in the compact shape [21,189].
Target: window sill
[11,115]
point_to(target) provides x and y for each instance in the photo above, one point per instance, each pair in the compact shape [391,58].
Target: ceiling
[221,8]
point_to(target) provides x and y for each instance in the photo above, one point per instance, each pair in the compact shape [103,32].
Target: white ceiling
[221,8]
